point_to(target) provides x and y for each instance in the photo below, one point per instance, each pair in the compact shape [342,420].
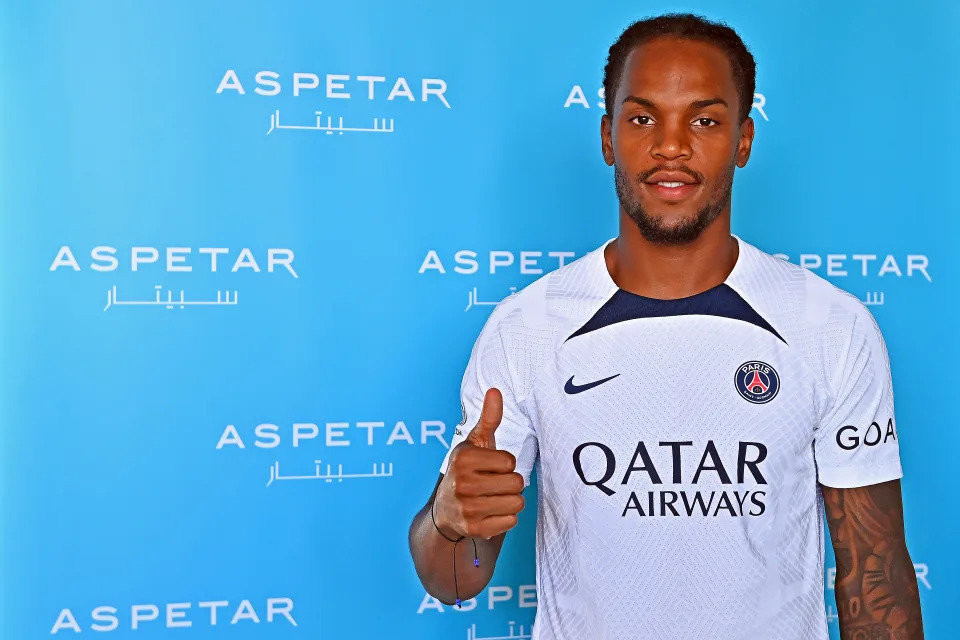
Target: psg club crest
[757,382]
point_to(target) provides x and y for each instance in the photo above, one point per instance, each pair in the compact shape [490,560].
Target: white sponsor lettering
[577,97]
[864,264]
[469,262]
[334,434]
[178,614]
[178,259]
[339,86]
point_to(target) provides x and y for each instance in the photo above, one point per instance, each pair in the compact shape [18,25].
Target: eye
[706,122]
[643,120]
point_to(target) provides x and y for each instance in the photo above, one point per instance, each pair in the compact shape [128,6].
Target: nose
[672,141]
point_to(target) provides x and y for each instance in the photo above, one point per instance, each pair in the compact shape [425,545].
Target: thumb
[482,435]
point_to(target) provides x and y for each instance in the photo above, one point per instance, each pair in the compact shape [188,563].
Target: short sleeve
[857,443]
[489,367]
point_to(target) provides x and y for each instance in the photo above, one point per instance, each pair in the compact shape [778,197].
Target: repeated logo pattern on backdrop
[247,258]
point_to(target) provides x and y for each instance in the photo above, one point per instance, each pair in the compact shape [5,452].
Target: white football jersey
[679,445]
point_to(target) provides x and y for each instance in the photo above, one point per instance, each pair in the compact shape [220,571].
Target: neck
[671,271]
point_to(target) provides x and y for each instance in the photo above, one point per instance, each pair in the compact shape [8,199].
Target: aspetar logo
[369,433]
[333,442]
[335,86]
[156,262]
[842,265]
[881,265]
[576,98]
[105,258]
[330,98]
[467,262]
[865,272]
[172,615]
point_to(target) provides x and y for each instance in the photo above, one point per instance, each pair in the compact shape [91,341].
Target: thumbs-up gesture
[480,492]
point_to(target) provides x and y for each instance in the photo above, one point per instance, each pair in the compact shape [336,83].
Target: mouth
[671,186]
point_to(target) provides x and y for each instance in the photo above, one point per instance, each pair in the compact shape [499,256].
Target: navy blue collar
[722,301]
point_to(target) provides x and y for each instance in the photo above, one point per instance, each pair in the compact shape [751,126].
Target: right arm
[478,497]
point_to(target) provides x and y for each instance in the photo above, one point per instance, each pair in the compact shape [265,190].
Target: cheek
[631,150]
[627,135]
[715,159]
[719,151]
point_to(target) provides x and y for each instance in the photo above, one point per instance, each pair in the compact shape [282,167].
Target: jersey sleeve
[856,443]
[489,367]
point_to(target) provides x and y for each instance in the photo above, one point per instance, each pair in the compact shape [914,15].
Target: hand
[480,492]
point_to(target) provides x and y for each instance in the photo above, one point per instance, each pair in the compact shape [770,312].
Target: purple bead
[476,562]
[458,603]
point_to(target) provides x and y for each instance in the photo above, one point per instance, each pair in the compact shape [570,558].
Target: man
[693,402]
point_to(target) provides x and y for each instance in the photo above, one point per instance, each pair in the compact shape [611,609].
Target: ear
[745,144]
[606,139]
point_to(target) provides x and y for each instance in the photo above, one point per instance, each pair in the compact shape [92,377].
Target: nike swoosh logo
[575,388]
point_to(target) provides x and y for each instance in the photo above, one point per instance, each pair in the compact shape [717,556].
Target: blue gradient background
[113,491]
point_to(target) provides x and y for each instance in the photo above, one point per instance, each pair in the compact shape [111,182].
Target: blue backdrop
[247,249]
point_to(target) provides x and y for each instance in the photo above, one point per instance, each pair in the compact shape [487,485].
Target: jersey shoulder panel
[532,322]
[813,314]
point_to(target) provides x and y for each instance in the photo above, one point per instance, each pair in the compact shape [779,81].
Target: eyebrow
[699,104]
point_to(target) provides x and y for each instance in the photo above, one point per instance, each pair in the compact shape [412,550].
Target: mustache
[696,175]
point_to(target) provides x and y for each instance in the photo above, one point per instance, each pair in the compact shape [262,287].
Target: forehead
[674,72]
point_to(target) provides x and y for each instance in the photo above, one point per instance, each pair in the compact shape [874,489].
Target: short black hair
[685,26]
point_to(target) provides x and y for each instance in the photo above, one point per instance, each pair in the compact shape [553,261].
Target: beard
[653,228]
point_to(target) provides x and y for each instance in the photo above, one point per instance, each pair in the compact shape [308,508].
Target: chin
[673,220]
[670,229]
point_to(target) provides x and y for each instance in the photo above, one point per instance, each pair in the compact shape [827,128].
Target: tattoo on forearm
[876,586]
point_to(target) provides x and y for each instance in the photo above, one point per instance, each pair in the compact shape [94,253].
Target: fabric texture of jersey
[679,445]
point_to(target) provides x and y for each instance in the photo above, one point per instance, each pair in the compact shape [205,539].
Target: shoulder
[557,300]
[826,324]
[525,329]
[803,303]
